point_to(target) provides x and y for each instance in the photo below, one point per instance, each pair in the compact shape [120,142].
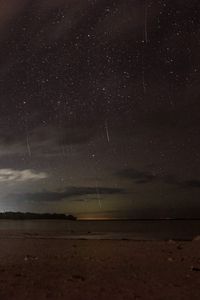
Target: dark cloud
[141,177]
[136,176]
[68,193]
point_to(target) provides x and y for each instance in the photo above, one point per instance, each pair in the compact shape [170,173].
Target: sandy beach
[98,269]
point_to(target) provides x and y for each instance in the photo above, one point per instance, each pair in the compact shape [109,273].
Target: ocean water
[136,230]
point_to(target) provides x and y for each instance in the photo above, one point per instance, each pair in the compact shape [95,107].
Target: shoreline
[101,236]
[91,237]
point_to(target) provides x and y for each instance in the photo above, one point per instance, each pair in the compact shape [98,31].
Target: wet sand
[98,269]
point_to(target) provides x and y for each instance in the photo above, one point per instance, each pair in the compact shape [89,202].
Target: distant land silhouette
[34,216]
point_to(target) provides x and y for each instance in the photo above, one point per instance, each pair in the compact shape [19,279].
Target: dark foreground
[98,269]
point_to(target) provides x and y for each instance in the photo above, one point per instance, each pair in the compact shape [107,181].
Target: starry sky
[99,107]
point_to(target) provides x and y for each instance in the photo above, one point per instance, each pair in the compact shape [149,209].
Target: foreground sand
[79,269]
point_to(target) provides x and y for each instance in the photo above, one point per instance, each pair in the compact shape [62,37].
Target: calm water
[142,230]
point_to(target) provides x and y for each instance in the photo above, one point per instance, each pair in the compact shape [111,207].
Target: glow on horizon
[99,219]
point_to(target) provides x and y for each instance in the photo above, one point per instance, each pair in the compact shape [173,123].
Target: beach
[56,268]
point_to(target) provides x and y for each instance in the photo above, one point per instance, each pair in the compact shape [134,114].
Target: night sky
[100,107]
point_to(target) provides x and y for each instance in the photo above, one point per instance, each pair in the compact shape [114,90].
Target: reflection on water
[142,230]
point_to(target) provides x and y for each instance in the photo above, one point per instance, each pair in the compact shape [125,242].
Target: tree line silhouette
[35,216]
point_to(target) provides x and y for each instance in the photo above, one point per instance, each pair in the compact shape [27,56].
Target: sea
[101,229]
